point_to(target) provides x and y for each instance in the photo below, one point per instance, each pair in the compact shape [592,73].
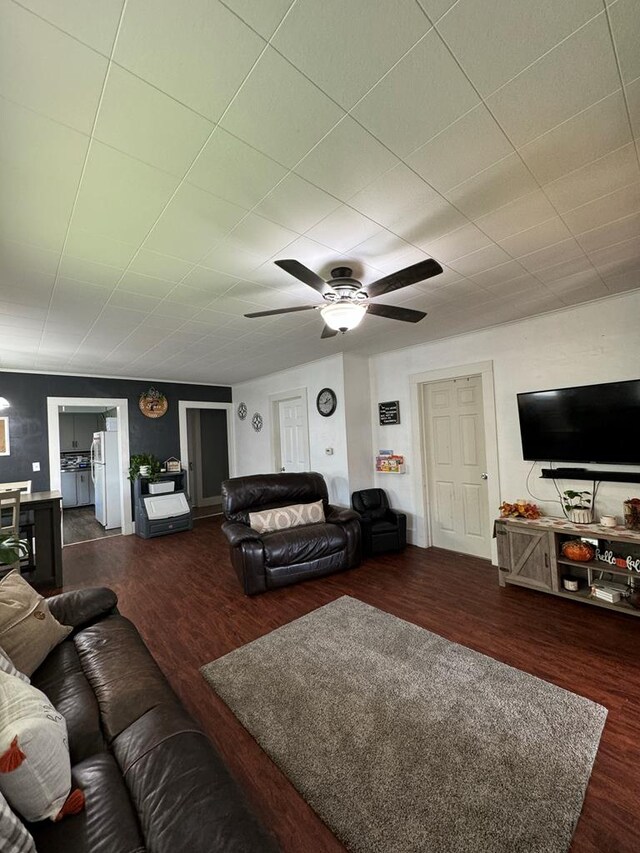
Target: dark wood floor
[183,596]
[79,524]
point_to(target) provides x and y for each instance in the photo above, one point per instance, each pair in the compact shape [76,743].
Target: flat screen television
[589,423]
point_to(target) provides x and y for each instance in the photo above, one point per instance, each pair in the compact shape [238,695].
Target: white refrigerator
[105,474]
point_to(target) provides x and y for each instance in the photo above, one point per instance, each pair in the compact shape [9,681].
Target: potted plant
[12,549]
[144,465]
[577,506]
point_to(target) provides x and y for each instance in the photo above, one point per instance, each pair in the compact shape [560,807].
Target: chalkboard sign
[389,412]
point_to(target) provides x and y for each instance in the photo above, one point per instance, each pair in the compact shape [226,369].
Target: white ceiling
[158,156]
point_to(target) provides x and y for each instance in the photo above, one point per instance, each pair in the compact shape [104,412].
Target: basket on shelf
[577,550]
[632,514]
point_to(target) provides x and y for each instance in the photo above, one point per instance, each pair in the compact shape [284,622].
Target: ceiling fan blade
[304,274]
[395,312]
[281,311]
[328,332]
[405,277]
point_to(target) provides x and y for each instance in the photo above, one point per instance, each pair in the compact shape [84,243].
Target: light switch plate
[36,466]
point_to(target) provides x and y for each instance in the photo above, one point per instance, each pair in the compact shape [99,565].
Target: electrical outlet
[36,466]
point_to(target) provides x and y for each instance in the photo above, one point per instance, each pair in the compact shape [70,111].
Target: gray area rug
[403,741]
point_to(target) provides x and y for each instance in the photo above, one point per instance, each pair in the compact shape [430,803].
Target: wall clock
[153,403]
[326,402]
[256,421]
[242,411]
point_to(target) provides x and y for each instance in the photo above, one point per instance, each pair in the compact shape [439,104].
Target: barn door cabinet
[526,556]
[530,554]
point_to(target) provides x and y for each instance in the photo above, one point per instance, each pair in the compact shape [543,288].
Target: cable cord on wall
[535,497]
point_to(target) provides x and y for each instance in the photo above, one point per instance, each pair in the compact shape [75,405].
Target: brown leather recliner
[269,560]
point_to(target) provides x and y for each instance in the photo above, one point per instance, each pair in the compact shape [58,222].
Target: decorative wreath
[153,403]
[256,421]
[242,411]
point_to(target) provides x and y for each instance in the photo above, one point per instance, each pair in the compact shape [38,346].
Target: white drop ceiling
[157,157]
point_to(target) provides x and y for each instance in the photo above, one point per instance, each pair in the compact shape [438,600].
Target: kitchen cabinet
[77,488]
[69,488]
[76,431]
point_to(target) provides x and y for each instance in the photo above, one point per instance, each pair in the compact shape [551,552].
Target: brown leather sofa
[152,781]
[270,560]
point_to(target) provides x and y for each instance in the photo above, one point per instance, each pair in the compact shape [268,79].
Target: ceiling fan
[347,301]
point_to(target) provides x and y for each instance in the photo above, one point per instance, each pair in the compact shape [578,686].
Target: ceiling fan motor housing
[344,287]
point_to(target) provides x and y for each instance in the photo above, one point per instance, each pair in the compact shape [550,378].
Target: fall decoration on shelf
[577,550]
[519,509]
[632,514]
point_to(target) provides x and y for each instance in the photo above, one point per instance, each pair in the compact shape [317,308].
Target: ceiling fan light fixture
[343,316]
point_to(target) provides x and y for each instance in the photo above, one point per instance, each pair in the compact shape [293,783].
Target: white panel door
[294,435]
[456,465]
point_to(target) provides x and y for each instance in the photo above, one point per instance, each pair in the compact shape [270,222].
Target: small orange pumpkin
[579,551]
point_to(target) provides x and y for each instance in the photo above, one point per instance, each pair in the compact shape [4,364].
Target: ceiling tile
[599,212]
[608,235]
[457,243]
[346,160]
[97,29]
[263,17]
[17,258]
[192,222]
[506,278]
[27,287]
[343,229]
[351,48]
[296,204]
[505,181]
[580,140]
[615,170]
[190,296]
[610,258]
[158,265]
[90,272]
[182,53]
[622,282]
[578,264]
[539,237]
[228,257]
[424,93]
[141,121]
[99,249]
[482,259]
[233,170]
[176,311]
[448,158]
[120,197]
[575,74]
[145,285]
[566,250]
[209,282]
[513,38]
[633,99]
[435,9]
[259,235]
[135,301]
[625,23]
[78,301]
[282,128]
[525,212]
[595,290]
[31,48]
[36,211]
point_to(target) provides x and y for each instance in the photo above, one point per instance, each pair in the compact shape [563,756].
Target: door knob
[282,469]
[484,476]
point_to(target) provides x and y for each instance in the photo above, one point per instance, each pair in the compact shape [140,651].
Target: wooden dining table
[41,516]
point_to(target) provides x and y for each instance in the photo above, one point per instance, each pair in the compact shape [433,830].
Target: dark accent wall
[28,392]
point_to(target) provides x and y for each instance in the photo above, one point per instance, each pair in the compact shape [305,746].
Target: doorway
[453,411]
[96,500]
[206,450]
[291,431]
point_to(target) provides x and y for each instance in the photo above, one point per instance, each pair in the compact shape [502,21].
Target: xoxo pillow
[283,517]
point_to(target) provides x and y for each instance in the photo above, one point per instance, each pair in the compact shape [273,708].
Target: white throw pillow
[283,517]
[14,837]
[6,665]
[35,768]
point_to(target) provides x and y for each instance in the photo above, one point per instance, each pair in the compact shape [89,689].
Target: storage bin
[161,488]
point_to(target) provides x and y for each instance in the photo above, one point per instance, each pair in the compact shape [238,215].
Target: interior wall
[28,392]
[361,465]
[254,449]
[597,342]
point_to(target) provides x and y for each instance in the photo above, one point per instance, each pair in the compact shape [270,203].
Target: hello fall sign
[629,563]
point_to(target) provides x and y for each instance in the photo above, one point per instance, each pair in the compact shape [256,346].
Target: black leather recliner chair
[270,560]
[383,529]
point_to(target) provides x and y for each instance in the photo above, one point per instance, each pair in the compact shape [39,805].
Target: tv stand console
[530,555]
[585,474]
